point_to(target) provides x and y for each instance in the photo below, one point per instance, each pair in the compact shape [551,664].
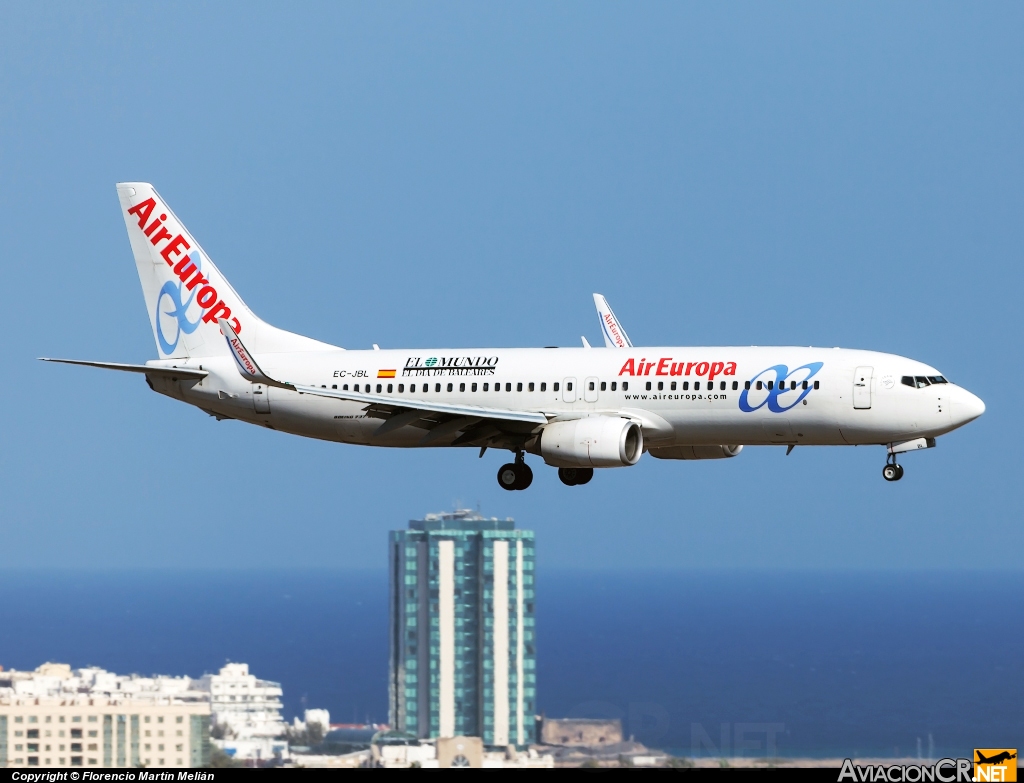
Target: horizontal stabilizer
[147,369]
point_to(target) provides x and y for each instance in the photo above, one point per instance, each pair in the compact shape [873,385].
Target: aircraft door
[590,390]
[261,398]
[569,390]
[862,387]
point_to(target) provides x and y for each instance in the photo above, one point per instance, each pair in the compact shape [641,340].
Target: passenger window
[648,385]
[771,384]
[815,384]
[723,386]
[686,385]
[746,385]
[335,386]
[437,387]
[487,387]
[554,386]
[390,388]
[614,384]
[792,385]
[735,385]
[625,386]
[401,388]
[591,386]
[907,380]
[450,386]
[805,384]
[673,386]
[378,388]
[544,386]
[530,386]
[921,381]
[604,385]
[345,387]
[568,386]
[508,387]
[696,385]
[412,388]
[462,387]
[661,386]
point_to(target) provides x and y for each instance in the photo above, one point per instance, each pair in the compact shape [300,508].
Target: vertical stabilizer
[185,293]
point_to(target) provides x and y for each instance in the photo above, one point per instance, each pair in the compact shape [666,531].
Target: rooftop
[461,519]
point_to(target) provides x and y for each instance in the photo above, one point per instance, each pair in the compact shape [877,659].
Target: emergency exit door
[862,387]
[261,398]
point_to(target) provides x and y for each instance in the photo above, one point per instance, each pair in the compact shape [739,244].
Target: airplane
[576,408]
[996,759]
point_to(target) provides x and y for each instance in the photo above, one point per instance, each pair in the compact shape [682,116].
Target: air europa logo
[778,387]
[188,269]
[666,366]
[612,329]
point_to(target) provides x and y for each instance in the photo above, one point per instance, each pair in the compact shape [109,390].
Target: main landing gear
[574,477]
[515,475]
[892,471]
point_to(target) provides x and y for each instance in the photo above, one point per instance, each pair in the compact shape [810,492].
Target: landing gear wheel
[574,477]
[515,475]
[892,472]
[524,476]
[508,476]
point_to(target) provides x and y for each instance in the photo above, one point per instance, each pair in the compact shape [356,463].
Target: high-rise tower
[463,655]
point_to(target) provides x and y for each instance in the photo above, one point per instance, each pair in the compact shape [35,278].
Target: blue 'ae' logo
[172,290]
[777,384]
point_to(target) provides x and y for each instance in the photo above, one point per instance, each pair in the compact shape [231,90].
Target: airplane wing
[467,424]
[612,331]
[147,369]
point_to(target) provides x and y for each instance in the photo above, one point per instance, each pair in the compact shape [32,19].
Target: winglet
[246,364]
[613,333]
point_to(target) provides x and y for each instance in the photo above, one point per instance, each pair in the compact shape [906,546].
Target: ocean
[711,663]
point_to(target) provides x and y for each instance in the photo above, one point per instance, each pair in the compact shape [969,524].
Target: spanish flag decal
[385,373]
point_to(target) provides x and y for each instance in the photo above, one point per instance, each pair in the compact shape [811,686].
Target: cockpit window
[920,382]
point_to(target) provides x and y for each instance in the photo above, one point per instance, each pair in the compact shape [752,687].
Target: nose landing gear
[515,475]
[892,471]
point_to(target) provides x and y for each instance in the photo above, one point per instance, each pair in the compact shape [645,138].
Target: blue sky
[465,175]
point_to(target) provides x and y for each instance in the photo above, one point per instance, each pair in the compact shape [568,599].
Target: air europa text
[184,268]
[665,366]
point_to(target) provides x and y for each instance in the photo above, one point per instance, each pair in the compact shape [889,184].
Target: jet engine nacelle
[592,442]
[696,452]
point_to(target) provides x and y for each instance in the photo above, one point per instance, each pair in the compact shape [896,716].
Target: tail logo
[187,269]
[179,312]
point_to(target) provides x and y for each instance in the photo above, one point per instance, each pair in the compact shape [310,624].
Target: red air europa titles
[666,366]
[184,268]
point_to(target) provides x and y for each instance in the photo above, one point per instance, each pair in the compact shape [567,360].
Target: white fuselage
[666,390]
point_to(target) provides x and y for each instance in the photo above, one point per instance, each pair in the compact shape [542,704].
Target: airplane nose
[966,407]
